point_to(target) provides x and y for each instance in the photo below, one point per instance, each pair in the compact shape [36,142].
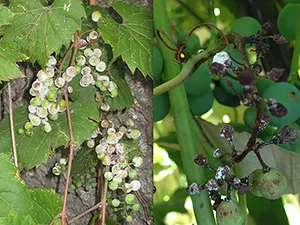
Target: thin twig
[65,57]
[86,212]
[103,200]
[12,129]
[71,143]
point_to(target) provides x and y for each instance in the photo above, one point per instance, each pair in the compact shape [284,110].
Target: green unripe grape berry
[47,127]
[135,134]
[202,103]
[229,213]
[53,117]
[130,199]
[192,45]
[199,82]
[271,185]
[113,185]
[249,116]
[28,126]
[72,187]
[36,101]
[263,84]
[51,96]
[157,65]
[21,131]
[98,84]
[288,95]
[88,187]
[103,88]
[45,103]
[136,207]
[96,15]
[114,93]
[161,106]
[62,105]
[129,218]
[132,174]
[77,183]
[115,202]
[28,133]
[224,98]
[88,176]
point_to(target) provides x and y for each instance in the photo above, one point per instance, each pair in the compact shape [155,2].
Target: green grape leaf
[8,67]
[124,100]
[287,21]
[34,150]
[15,219]
[38,31]
[5,16]
[130,39]
[82,161]
[17,201]
[286,161]
[245,26]
[46,204]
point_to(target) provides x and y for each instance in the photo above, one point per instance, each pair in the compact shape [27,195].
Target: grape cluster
[48,88]
[114,151]
[60,167]
[88,181]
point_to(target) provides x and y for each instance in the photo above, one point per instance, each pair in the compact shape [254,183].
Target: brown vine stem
[86,212]
[65,57]
[71,143]
[12,129]
[103,200]
[93,2]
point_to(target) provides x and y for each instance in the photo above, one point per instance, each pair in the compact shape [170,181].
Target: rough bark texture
[141,113]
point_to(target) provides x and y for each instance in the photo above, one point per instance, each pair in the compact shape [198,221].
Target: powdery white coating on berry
[137,161]
[212,185]
[82,43]
[222,172]
[135,185]
[101,148]
[97,52]
[50,72]
[63,161]
[217,153]
[222,58]
[108,175]
[93,35]
[111,131]
[88,52]
[86,70]
[194,189]
[59,82]
[51,62]
[101,66]
[105,107]
[236,180]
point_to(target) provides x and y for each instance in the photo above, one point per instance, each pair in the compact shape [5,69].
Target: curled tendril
[180,56]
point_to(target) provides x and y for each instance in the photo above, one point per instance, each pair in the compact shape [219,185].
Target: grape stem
[12,129]
[85,212]
[103,199]
[71,141]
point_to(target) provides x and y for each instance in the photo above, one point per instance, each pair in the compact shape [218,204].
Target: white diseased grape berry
[86,70]
[36,85]
[32,92]
[66,77]
[51,62]
[50,72]
[90,143]
[49,82]
[88,52]
[137,161]
[134,134]
[108,175]
[101,66]
[105,107]
[94,61]
[96,15]
[35,121]
[42,76]
[44,90]
[82,44]
[47,127]
[59,82]
[53,108]
[97,52]
[32,108]
[70,89]
[42,112]
[71,71]
[80,60]
[63,161]
[93,35]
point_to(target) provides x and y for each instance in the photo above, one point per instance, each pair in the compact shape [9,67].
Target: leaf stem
[12,129]
[242,198]
[85,212]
